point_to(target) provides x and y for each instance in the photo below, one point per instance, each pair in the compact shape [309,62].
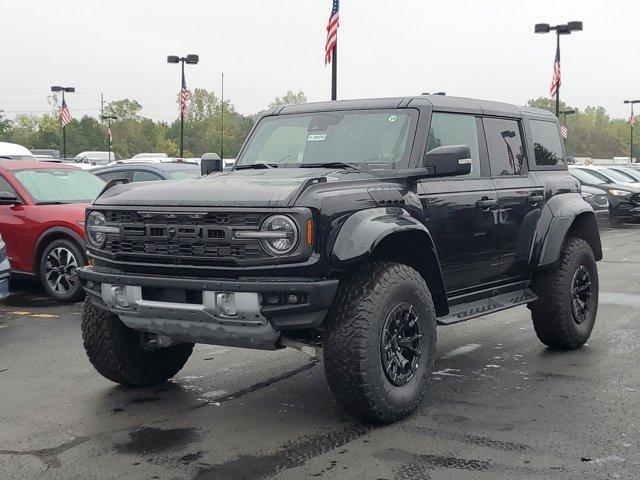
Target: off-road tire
[75,294]
[552,316]
[116,353]
[352,341]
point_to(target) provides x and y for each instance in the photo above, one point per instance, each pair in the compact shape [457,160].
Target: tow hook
[314,351]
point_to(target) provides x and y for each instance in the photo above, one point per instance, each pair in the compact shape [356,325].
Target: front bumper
[625,210]
[190,309]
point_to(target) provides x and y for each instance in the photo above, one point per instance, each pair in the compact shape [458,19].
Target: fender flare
[558,216]
[362,231]
[55,231]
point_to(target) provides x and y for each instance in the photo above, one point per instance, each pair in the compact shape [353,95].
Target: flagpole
[334,73]
[222,122]
[64,134]
[559,66]
[182,115]
[631,120]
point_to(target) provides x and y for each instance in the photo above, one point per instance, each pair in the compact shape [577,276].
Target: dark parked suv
[348,230]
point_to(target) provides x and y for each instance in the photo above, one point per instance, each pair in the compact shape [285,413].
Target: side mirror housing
[210,163]
[8,198]
[449,160]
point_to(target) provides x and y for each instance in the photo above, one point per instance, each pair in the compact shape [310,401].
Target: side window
[143,176]
[504,142]
[5,186]
[108,176]
[455,129]
[547,145]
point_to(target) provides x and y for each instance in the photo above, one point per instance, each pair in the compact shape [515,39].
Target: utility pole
[222,122]
[108,118]
[102,107]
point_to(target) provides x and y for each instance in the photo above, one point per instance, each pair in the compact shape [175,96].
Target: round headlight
[283,234]
[94,228]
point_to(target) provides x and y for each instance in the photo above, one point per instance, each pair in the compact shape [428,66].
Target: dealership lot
[500,405]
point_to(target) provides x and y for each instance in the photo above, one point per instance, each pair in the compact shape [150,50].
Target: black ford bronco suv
[348,230]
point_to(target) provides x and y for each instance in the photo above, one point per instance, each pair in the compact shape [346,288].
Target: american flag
[555,82]
[109,134]
[65,114]
[184,98]
[332,32]
[632,121]
[564,131]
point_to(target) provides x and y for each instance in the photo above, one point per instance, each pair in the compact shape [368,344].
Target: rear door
[520,194]
[461,211]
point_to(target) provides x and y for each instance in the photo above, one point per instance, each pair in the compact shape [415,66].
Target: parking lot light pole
[190,59]
[632,121]
[108,118]
[57,88]
[564,29]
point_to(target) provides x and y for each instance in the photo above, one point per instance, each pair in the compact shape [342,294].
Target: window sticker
[392,118]
[316,137]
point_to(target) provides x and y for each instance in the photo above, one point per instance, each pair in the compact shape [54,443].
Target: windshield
[589,176]
[182,174]
[60,185]
[619,177]
[629,171]
[379,139]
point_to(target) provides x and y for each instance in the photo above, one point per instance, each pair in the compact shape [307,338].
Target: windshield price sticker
[316,137]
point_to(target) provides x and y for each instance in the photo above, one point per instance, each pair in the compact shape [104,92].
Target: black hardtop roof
[437,102]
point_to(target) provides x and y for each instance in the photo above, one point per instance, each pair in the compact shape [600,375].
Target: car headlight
[279,234]
[96,229]
[619,193]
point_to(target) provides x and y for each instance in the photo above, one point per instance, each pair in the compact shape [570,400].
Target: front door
[461,211]
[520,195]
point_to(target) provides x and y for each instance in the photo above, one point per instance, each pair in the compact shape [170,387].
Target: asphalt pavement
[500,406]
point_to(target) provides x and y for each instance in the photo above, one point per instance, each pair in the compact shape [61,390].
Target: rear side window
[5,186]
[504,143]
[108,176]
[455,129]
[144,176]
[547,145]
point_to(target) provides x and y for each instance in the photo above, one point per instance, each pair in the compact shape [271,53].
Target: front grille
[183,238]
[635,198]
[601,200]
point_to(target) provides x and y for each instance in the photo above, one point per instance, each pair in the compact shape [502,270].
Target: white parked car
[13,151]
[139,156]
[88,160]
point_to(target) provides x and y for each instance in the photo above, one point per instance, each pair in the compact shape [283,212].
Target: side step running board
[479,308]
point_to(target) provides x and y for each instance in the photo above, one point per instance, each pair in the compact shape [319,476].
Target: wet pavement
[501,405]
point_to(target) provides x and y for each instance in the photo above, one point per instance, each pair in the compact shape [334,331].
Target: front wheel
[565,312]
[379,343]
[58,264]
[124,355]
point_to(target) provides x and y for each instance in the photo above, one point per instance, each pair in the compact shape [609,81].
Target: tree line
[592,132]
[133,133]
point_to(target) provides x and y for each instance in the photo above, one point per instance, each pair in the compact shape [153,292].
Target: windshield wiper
[252,166]
[330,165]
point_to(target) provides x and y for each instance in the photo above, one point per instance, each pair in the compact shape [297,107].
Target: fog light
[226,303]
[119,295]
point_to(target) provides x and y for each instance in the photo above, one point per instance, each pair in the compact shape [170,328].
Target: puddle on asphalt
[155,440]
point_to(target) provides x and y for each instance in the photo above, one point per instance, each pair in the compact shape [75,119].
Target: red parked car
[42,221]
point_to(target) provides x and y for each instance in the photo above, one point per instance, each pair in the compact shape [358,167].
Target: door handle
[486,203]
[535,198]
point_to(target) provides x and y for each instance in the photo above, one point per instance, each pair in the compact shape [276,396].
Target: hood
[240,188]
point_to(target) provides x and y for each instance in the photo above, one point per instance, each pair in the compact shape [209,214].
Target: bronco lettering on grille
[183,233]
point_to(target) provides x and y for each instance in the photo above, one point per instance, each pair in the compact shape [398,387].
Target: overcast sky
[483,49]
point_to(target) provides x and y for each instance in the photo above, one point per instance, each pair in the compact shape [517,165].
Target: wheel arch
[391,234]
[50,235]
[563,215]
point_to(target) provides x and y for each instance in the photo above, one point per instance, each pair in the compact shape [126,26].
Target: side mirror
[449,160]
[210,163]
[8,198]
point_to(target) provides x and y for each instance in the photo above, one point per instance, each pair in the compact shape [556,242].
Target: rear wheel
[127,356]
[58,264]
[379,343]
[565,312]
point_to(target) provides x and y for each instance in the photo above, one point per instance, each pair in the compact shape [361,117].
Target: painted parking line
[22,313]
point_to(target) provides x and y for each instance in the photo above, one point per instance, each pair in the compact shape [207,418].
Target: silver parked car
[4,270]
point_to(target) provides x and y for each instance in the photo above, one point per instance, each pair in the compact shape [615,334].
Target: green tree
[289,98]
[123,109]
[5,126]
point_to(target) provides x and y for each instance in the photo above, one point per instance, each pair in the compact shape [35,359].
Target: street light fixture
[190,59]
[631,122]
[58,88]
[563,29]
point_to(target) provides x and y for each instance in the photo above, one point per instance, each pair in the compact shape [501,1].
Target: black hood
[240,188]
